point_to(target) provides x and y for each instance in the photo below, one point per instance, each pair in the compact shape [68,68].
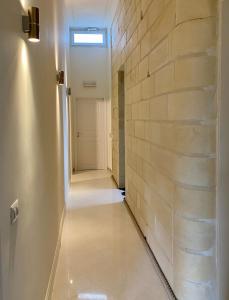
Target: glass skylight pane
[92,297]
[88,38]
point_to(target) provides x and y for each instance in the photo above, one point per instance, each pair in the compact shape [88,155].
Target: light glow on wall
[24,3]
[27,122]
[24,55]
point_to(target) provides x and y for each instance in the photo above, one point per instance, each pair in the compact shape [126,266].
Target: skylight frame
[102,31]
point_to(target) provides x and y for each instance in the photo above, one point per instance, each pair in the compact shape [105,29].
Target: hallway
[137,87]
[103,256]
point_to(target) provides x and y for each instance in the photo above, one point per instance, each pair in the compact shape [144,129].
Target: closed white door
[90,132]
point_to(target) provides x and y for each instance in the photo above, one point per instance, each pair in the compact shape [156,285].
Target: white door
[90,132]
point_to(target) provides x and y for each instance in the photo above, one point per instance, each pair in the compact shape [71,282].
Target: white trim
[55,260]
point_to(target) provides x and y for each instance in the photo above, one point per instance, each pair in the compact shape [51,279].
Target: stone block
[143,68]
[165,263]
[189,139]
[195,72]
[146,44]
[139,129]
[136,96]
[159,56]
[159,108]
[164,25]
[193,37]
[164,80]
[147,87]
[195,9]
[144,110]
[187,290]
[195,171]
[193,234]
[191,106]
[165,187]
[155,10]
[152,132]
[142,29]
[193,267]
[195,203]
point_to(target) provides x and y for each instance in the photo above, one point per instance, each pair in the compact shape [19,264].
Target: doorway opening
[121,104]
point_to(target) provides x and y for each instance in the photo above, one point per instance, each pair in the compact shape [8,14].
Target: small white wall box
[89,83]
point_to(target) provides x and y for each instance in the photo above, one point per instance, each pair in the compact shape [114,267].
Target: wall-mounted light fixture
[60,78]
[31,25]
[69,91]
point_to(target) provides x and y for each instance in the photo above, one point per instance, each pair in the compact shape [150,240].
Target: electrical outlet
[14,212]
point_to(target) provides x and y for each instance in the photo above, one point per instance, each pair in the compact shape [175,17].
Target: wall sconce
[69,91]
[31,24]
[60,78]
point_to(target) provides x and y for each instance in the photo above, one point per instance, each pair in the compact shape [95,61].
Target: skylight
[88,37]
[92,297]
[82,38]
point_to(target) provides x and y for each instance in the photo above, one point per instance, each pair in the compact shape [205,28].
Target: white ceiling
[91,13]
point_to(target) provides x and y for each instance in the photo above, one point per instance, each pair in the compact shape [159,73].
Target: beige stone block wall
[168,50]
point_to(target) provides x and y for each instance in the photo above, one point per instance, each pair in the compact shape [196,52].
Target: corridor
[137,87]
[103,256]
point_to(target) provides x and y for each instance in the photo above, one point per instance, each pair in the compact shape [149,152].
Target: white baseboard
[55,260]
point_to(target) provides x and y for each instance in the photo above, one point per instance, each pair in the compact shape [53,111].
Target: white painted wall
[94,13]
[31,148]
[91,63]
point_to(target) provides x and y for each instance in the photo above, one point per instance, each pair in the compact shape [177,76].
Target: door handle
[78,134]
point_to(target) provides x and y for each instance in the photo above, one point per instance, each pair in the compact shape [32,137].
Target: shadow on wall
[12,249]
[7,267]
[1,285]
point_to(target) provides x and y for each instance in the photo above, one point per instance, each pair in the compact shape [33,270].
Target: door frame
[74,142]
[122,127]
[222,201]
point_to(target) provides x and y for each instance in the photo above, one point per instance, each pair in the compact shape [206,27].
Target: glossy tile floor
[103,256]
